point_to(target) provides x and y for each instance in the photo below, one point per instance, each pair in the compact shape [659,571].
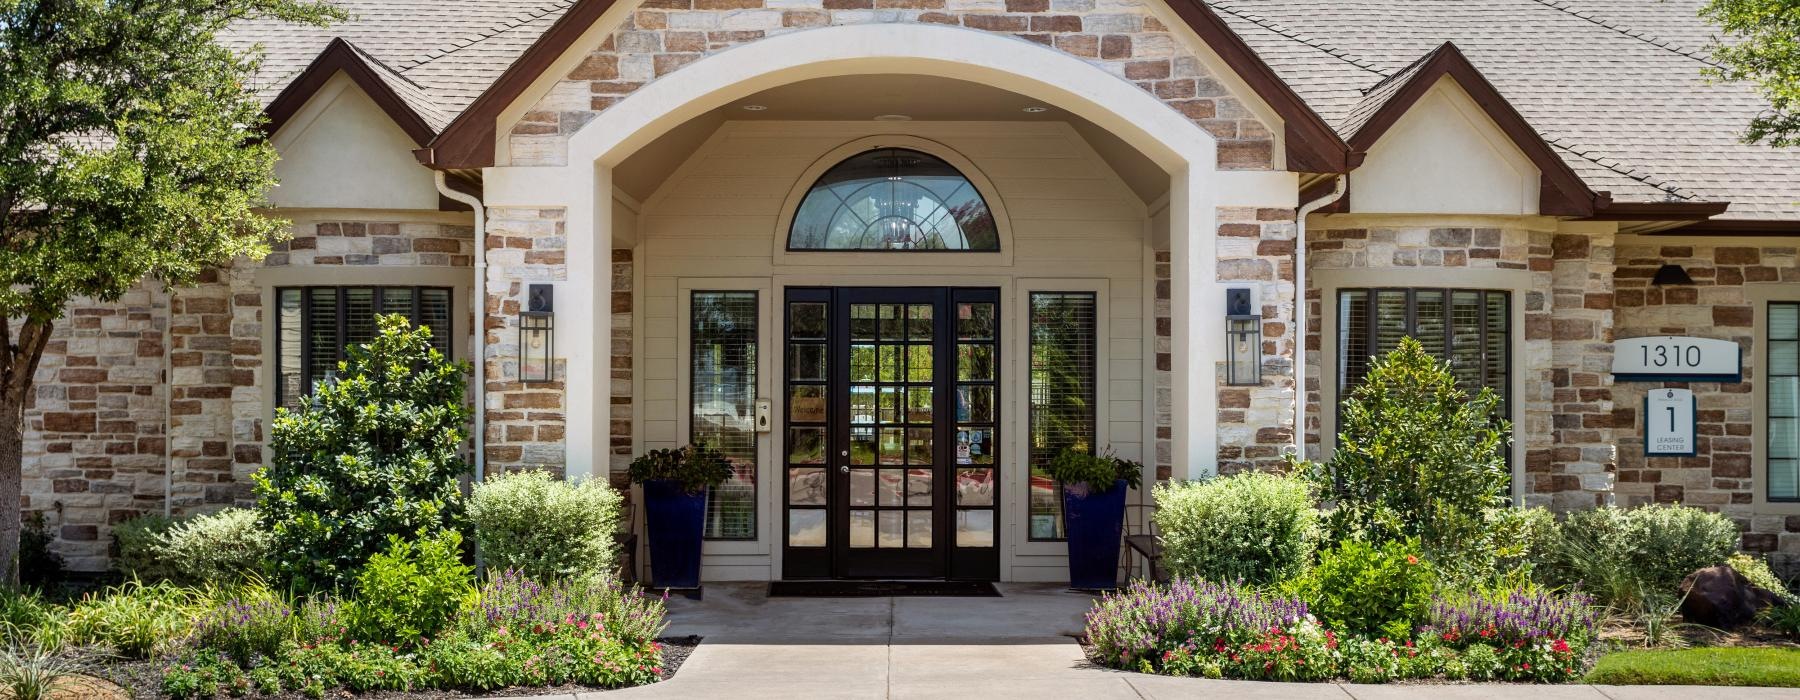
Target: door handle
[844,468]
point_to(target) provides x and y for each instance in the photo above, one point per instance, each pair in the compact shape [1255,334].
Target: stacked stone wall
[1719,476]
[1564,436]
[1121,37]
[126,420]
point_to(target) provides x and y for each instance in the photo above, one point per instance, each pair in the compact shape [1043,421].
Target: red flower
[1560,646]
[1410,559]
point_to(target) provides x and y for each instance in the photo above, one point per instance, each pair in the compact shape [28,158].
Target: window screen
[723,398]
[1784,402]
[1468,327]
[315,325]
[1063,352]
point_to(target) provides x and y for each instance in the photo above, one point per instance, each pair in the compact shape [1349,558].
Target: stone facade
[94,430]
[1715,306]
[622,447]
[158,396]
[1120,36]
[525,422]
[1256,423]
[1564,360]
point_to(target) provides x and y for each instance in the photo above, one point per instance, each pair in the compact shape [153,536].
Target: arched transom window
[893,199]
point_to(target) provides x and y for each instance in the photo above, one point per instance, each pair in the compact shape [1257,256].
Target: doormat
[881,589]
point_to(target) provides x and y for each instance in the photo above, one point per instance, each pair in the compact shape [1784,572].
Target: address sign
[1667,358]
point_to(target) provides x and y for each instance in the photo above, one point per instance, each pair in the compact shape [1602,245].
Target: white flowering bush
[1253,527]
[223,547]
[545,527]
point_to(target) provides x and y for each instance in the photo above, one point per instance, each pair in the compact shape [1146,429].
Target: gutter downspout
[1337,190]
[479,305]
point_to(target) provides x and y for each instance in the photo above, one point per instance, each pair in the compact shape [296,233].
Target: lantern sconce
[1243,339]
[536,328]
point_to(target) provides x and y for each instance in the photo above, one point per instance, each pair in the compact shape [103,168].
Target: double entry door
[892,445]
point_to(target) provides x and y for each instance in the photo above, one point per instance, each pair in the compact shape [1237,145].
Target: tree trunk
[12,443]
[19,356]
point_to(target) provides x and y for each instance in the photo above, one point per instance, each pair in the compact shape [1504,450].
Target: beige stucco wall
[718,222]
[340,151]
[1445,156]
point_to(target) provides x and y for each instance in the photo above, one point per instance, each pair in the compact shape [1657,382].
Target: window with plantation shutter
[1467,327]
[723,356]
[315,326]
[1783,472]
[1062,412]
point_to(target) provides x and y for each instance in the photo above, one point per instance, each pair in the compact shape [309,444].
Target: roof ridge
[503,26]
[376,61]
[1303,39]
[1638,34]
[1583,152]
[1404,70]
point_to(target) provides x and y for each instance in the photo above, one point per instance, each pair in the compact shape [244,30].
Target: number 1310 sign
[1669,423]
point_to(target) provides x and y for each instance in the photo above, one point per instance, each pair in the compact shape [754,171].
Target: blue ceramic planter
[1094,523]
[674,519]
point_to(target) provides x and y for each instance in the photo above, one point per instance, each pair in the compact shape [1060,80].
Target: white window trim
[1516,282]
[1760,296]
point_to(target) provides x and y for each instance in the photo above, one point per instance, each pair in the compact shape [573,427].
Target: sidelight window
[1064,352]
[723,356]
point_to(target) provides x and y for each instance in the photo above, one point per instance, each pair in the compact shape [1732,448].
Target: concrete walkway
[1017,646]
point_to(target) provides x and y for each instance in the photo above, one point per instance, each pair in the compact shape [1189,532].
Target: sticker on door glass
[964,449]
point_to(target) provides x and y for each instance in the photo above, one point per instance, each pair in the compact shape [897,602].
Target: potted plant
[675,483]
[1094,488]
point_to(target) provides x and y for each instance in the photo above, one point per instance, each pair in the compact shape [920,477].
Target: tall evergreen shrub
[1416,457]
[375,453]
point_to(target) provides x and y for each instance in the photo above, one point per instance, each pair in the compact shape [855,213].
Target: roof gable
[380,83]
[1562,192]
[469,141]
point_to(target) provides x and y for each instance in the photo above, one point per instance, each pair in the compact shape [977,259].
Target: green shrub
[373,455]
[224,548]
[410,592]
[135,619]
[1515,538]
[697,467]
[1359,588]
[1671,541]
[1416,457]
[27,620]
[1099,472]
[39,565]
[1757,570]
[1253,527]
[543,526]
[134,547]
[1624,556]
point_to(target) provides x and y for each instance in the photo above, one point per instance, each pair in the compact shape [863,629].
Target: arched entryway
[1183,152]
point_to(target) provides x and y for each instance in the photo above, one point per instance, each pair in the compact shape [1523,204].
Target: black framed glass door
[892,422]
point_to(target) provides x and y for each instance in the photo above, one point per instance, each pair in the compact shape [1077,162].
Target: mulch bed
[143,679]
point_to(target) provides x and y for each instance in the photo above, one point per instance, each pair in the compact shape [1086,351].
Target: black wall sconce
[537,345]
[1671,274]
[1243,340]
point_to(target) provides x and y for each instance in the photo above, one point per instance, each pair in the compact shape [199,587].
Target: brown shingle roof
[1616,86]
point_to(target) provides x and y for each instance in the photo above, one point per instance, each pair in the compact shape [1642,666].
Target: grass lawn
[1760,666]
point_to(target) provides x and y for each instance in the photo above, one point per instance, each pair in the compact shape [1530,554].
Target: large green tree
[1763,48]
[130,148]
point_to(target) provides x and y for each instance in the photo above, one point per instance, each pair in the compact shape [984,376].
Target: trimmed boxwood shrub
[544,527]
[1254,527]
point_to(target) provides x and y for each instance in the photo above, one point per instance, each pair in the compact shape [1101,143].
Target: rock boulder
[1719,596]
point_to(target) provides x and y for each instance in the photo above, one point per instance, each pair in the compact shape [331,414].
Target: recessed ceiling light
[1036,110]
[893,118]
[754,108]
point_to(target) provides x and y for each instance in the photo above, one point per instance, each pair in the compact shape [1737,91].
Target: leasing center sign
[1667,358]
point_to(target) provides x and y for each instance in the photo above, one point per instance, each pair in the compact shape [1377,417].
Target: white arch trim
[1197,188]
